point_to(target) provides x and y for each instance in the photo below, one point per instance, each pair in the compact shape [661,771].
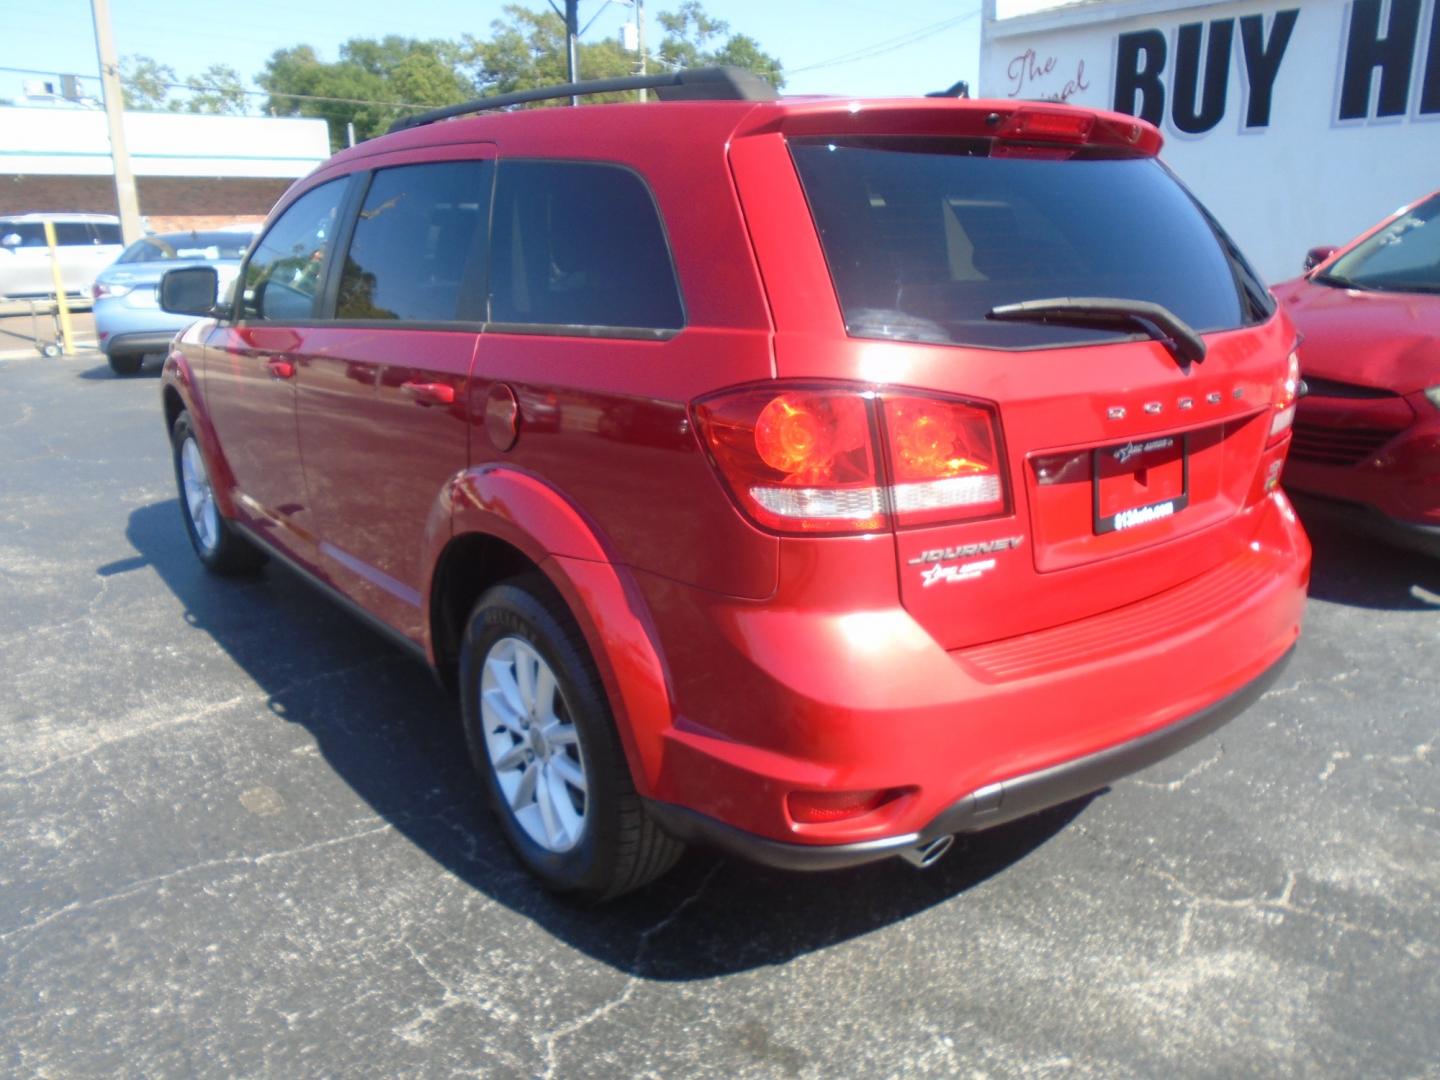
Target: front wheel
[127,364]
[216,543]
[542,738]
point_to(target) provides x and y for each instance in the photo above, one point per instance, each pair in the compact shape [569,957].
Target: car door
[252,362]
[383,388]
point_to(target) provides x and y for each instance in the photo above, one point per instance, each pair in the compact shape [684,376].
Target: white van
[85,244]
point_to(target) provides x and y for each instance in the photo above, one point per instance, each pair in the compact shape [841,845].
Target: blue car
[128,318]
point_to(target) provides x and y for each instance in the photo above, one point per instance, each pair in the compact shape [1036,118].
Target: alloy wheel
[533,745]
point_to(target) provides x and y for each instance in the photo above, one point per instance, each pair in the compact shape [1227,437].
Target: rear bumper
[140,342]
[773,699]
[986,808]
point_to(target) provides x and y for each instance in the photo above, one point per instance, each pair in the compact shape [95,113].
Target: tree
[372,80]
[690,32]
[217,90]
[146,83]
[527,50]
[150,86]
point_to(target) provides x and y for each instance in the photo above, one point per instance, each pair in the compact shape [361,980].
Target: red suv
[816,479]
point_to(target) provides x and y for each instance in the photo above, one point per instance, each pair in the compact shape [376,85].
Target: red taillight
[798,461]
[944,460]
[818,807]
[803,459]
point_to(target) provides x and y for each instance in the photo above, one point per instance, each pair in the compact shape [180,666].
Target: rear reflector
[801,459]
[818,807]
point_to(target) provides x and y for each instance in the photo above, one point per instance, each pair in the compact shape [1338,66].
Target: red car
[817,479]
[1367,434]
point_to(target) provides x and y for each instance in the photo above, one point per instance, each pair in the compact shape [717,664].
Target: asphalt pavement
[239,837]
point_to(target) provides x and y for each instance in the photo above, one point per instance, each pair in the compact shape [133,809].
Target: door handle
[280,369]
[430,393]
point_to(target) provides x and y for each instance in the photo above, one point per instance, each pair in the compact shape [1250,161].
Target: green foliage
[692,39]
[150,86]
[526,50]
[217,90]
[146,83]
[375,82]
[372,79]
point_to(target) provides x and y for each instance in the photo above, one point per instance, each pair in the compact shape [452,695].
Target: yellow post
[61,305]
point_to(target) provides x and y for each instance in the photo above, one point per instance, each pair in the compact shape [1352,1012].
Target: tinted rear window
[580,245]
[923,237]
[189,247]
[73,234]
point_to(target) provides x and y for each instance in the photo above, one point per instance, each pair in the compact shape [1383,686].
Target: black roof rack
[690,84]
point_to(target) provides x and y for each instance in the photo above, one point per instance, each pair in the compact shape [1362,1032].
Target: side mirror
[1316,255]
[191,290]
[10,240]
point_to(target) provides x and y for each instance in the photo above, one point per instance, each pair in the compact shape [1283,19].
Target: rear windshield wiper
[1158,321]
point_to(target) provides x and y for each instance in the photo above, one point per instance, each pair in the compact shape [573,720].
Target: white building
[192,171]
[1297,124]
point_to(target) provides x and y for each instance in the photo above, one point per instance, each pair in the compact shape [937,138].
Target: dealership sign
[1382,65]
[1298,124]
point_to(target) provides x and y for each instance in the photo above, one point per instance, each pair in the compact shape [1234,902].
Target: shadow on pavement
[1356,570]
[385,726]
[151,370]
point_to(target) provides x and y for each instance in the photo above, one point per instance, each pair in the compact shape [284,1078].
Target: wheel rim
[199,496]
[534,749]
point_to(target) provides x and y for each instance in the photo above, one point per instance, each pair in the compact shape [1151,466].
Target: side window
[282,278]
[107,234]
[418,252]
[31,233]
[73,234]
[580,245]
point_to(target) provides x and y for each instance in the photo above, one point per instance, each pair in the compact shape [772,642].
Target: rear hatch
[1125,459]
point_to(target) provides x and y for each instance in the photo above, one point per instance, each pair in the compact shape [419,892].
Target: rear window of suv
[925,236]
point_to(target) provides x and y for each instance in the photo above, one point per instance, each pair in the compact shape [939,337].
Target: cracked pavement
[238,837]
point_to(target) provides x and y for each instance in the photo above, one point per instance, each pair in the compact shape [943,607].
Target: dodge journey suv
[813,479]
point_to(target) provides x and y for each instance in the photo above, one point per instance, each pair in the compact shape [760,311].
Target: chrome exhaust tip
[929,853]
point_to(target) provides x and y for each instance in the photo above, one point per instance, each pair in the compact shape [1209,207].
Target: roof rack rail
[689,84]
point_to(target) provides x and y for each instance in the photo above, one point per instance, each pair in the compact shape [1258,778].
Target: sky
[869,48]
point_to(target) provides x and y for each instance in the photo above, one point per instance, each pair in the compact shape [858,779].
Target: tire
[127,364]
[603,843]
[217,545]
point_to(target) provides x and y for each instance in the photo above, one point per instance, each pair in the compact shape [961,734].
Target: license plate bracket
[1139,482]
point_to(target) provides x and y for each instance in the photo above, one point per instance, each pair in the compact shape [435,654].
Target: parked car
[1366,447]
[749,466]
[129,322]
[85,245]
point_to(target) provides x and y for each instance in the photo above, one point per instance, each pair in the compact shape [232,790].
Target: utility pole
[640,42]
[110,90]
[572,43]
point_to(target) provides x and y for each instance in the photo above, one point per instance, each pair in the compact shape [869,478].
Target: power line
[198,89]
[879,48]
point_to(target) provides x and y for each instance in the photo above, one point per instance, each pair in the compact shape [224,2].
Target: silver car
[128,320]
[84,243]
